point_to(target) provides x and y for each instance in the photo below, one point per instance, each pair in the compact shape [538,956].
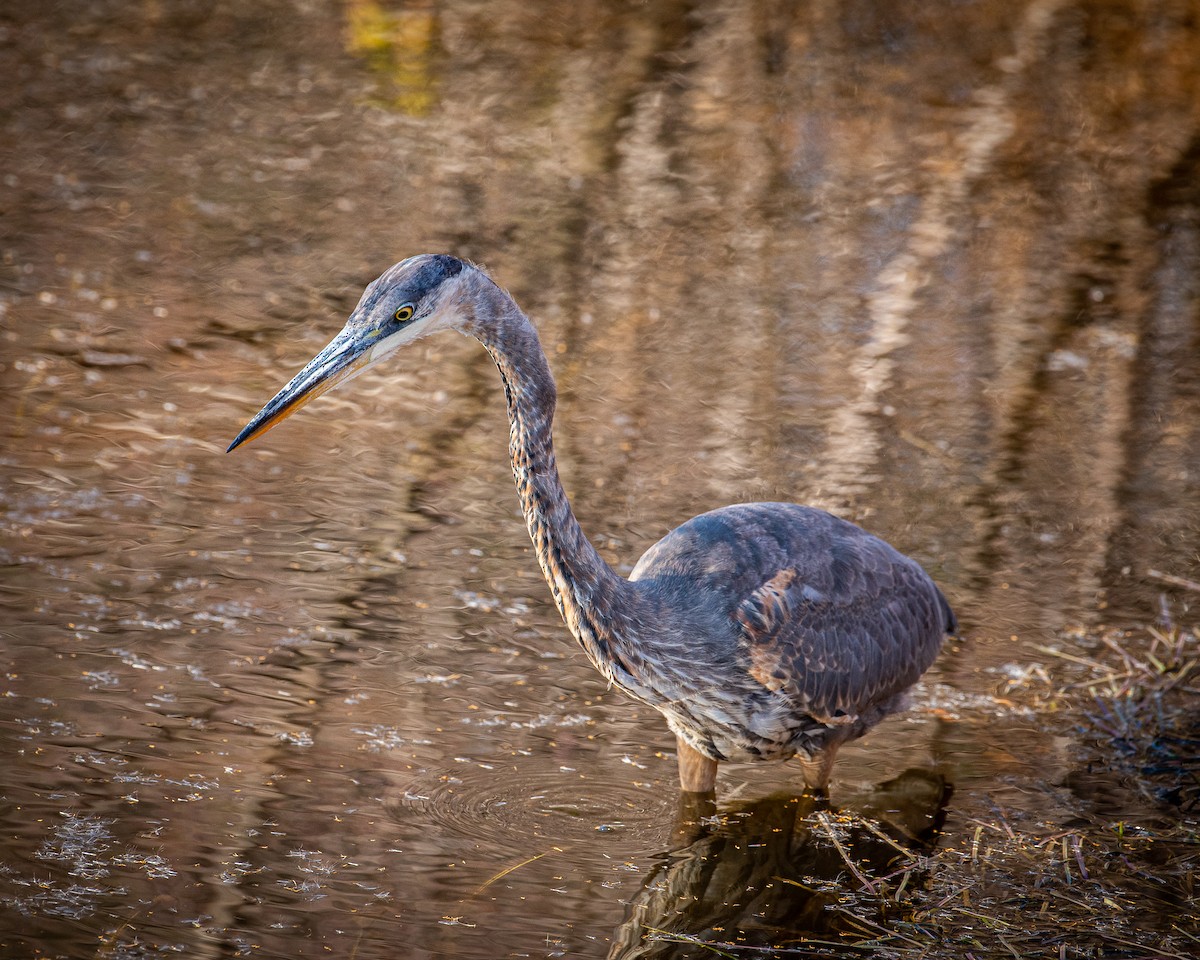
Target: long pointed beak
[348,354]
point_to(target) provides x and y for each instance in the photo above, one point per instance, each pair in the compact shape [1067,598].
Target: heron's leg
[697,773]
[817,770]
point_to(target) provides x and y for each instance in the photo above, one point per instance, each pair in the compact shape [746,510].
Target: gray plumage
[760,631]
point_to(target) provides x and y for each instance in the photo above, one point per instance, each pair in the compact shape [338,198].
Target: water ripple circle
[554,806]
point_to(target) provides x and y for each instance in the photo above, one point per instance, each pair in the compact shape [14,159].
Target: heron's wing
[845,630]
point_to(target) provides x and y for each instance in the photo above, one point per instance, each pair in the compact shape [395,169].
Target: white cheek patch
[393,342]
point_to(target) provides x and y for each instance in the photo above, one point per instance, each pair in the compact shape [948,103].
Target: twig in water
[823,817]
[888,840]
[516,866]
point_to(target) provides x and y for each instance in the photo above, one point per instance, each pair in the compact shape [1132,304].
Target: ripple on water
[556,806]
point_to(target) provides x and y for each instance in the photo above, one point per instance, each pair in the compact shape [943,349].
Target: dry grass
[1149,714]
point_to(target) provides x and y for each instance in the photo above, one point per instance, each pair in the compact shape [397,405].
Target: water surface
[933,266]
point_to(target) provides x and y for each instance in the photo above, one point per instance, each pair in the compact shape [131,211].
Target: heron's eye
[405,313]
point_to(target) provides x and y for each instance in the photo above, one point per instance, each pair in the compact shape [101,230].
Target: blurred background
[932,266]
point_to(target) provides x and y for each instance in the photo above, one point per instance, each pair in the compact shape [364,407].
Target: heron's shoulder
[757,556]
[746,539]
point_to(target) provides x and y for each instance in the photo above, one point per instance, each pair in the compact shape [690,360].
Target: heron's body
[760,631]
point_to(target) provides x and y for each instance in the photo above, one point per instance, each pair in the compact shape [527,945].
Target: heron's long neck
[598,606]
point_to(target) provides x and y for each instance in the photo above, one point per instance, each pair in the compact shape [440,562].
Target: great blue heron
[760,631]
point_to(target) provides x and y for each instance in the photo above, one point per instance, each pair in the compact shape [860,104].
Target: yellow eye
[405,313]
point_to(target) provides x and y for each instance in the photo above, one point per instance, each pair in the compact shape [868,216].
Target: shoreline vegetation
[1108,884]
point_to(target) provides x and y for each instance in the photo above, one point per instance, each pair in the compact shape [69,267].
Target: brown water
[933,266]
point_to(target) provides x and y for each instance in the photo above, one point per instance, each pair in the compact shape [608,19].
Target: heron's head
[414,298]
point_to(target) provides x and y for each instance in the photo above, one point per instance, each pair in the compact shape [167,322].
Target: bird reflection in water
[784,873]
[761,631]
